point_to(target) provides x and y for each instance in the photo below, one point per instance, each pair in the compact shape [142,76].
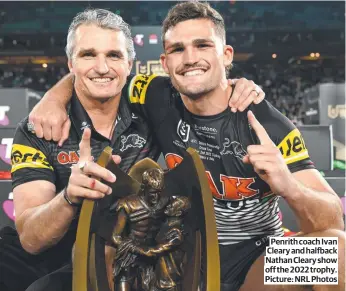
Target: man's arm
[316,205]
[51,121]
[42,217]
[314,202]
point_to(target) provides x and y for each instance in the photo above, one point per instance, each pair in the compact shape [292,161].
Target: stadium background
[294,50]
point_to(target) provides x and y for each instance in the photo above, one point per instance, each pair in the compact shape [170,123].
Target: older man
[47,192]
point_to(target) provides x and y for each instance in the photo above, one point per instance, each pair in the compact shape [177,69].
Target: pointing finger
[259,129]
[84,146]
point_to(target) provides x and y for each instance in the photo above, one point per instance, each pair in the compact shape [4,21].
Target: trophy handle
[212,258]
[85,242]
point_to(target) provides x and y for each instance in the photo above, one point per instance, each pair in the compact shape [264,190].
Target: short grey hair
[104,19]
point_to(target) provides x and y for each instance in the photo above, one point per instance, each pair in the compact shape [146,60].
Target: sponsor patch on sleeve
[293,148]
[138,88]
[27,157]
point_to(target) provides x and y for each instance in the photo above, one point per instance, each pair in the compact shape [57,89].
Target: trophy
[155,232]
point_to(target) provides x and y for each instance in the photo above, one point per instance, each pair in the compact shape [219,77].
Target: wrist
[70,201]
[292,190]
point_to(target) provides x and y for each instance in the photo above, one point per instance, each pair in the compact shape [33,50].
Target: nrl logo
[183,130]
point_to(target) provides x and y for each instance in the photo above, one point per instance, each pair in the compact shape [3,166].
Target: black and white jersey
[245,206]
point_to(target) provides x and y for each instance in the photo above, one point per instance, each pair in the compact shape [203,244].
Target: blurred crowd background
[286,47]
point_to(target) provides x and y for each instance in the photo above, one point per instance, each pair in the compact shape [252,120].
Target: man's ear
[228,53]
[69,63]
[163,63]
[130,67]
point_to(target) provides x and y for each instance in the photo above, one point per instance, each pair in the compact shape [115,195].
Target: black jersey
[38,159]
[245,207]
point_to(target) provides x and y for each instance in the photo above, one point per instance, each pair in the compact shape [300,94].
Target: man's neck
[102,114]
[211,103]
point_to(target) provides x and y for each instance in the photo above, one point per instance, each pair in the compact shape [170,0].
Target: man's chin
[97,95]
[193,94]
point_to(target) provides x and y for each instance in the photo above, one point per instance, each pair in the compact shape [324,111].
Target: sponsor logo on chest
[233,188]
[68,157]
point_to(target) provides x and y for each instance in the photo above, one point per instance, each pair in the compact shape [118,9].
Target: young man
[250,163]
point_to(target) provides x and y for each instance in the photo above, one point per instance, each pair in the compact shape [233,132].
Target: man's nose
[190,56]
[101,65]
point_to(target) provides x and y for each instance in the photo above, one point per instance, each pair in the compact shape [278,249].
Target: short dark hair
[193,10]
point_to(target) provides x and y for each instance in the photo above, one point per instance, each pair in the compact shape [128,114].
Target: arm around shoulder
[49,116]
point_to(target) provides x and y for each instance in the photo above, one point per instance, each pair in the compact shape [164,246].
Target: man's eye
[203,45]
[88,55]
[177,50]
[115,56]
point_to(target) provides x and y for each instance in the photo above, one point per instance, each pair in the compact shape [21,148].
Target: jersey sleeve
[285,135]
[149,96]
[29,158]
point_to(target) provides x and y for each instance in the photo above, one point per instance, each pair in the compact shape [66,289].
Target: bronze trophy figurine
[138,221]
[154,229]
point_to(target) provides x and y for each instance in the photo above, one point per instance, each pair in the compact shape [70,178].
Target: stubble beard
[194,93]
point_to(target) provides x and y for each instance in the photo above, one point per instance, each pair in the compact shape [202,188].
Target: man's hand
[50,121]
[267,160]
[245,92]
[49,118]
[84,180]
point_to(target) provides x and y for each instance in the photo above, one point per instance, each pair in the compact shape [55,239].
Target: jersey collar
[81,120]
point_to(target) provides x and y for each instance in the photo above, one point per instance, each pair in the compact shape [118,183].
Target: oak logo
[233,188]
[293,148]
[71,157]
[27,157]
[173,160]
[138,88]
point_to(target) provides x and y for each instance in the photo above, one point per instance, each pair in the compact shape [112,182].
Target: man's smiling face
[100,62]
[195,57]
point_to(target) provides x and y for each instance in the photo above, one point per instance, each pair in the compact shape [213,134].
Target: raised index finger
[84,146]
[259,129]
